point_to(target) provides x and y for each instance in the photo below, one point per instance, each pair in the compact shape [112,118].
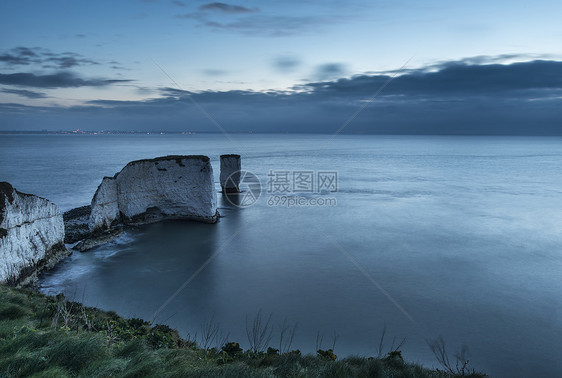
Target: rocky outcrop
[76,224]
[98,238]
[230,173]
[104,209]
[150,190]
[31,235]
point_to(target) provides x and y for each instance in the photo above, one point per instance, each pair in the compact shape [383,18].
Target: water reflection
[463,232]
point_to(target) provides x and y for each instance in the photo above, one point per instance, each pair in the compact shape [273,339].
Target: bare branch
[259,333]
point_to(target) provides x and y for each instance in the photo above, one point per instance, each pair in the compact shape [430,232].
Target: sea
[360,243]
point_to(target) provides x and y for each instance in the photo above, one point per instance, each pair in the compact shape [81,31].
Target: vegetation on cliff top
[43,336]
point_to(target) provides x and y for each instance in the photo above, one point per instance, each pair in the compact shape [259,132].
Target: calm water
[461,233]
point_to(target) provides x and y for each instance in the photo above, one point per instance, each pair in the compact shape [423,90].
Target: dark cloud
[167,92]
[274,26]
[329,71]
[455,78]
[214,72]
[489,59]
[20,56]
[23,56]
[474,60]
[265,25]
[456,81]
[67,60]
[227,8]
[277,22]
[57,80]
[286,63]
[179,3]
[460,98]
[24,93]
[117,66]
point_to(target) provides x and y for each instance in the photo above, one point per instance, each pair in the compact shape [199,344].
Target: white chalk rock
[105,209]
[31,235]
[230,173]
[146,191]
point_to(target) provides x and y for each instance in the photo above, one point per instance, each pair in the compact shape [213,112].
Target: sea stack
[31,235]
[150,190]
[230,173]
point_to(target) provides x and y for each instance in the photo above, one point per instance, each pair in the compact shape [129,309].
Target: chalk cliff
[146,191]
[31,235]
[230,173]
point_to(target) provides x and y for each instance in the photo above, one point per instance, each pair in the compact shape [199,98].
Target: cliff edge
[31,235]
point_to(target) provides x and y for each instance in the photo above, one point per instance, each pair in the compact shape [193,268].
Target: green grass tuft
[13,311]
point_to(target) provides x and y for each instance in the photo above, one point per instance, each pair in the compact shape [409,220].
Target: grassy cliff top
[44,336]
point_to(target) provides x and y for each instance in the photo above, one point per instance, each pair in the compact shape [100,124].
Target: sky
[378,66]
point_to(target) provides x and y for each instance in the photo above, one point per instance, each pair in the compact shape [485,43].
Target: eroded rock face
[146,191]
[104,208]
[76,224]
[230,173]
[31,235]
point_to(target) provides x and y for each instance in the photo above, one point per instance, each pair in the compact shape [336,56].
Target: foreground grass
[44,336]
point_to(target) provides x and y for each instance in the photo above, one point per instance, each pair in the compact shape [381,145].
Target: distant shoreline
[102,132]
[135,132]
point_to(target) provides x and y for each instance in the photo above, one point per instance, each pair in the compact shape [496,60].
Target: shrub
[327,354]
[232,349]
[162,336]
[272,351]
